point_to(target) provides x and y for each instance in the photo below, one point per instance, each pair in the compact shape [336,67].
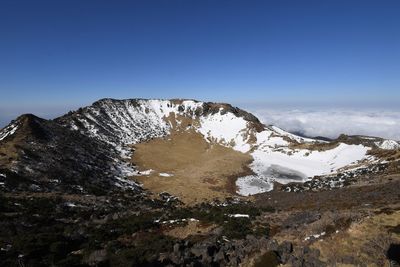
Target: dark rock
[176,249]
[97,257]
[220,256]
[284,251]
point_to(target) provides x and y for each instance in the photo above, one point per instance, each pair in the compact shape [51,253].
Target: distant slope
[41,155]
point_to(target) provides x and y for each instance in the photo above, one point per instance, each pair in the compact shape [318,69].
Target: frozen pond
[253,184]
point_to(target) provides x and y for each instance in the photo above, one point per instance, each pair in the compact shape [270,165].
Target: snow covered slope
[297,165]
[278,155]
[9,130]
[387,144]
[123,122]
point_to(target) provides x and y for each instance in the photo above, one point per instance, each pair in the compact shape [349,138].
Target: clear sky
[58,55]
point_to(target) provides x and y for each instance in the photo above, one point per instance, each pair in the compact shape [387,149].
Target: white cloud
[333,122]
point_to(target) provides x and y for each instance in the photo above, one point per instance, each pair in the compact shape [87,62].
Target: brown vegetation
[192,228]
[367,241]
[201,171]
[314,146]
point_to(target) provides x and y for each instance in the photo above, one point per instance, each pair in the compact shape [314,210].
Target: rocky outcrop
[214,252]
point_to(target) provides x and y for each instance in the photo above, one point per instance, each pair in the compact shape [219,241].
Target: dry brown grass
[316,146]
[366,241]
[385,154]
[9,152]
[201,171]
[190,229]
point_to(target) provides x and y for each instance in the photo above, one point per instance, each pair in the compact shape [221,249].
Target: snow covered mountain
[122,122]
[277,155]
[97,142]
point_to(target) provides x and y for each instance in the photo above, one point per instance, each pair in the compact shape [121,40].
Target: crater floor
[186,165]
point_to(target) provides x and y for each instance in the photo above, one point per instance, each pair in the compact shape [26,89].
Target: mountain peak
[26,125]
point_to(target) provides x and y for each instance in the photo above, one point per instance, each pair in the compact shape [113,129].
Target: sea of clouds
[333,122]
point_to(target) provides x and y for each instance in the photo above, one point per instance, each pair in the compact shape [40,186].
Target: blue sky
[59,55]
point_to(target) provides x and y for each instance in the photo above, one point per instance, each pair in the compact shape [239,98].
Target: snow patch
[163,174]
[252,184]
[238,215]
[388,144]
[285,166]
[144,173]
[226,129]
[70,204]
[8,131]
[316,236]
[176,221]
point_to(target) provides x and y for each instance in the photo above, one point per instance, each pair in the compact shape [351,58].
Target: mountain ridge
[45,156]
[278,156]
